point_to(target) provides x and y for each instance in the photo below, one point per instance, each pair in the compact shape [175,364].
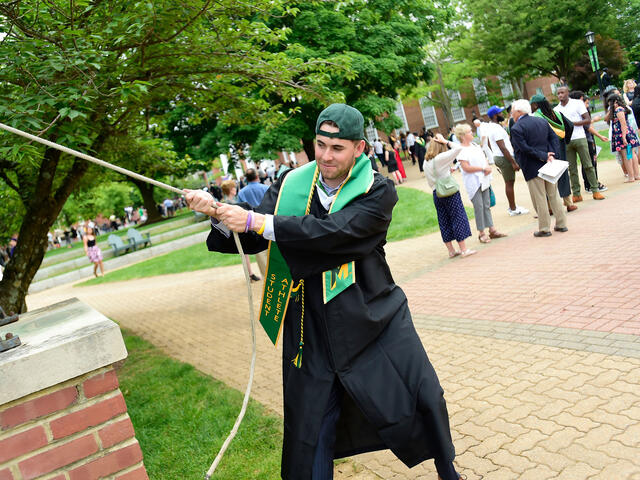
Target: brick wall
[544,83]
[77,430]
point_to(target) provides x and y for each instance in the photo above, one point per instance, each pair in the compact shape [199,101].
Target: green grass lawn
[414,215]
[182,417]
[187,259]
[606,153]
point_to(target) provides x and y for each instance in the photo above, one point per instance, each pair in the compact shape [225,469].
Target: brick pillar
[74,429]
[78,430]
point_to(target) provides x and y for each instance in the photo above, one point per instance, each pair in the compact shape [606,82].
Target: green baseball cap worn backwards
[349,120]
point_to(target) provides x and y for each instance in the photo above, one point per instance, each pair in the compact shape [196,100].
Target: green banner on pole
[591,58]
[595,56]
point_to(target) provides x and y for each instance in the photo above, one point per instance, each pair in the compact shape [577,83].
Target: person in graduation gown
[356,376]
[563,128]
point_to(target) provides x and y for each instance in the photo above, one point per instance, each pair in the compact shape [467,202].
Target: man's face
[563,94]
[516,114]
[336,156]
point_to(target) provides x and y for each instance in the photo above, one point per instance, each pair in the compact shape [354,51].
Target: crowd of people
[408,146]
[6,252]
[536,133]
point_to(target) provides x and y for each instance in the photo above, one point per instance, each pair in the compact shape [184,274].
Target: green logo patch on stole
[336,280]
[294,197]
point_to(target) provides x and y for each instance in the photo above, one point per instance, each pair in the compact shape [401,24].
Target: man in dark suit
[535,144]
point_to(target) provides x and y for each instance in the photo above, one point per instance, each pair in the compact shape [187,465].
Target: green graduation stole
[558,128]
[294,199]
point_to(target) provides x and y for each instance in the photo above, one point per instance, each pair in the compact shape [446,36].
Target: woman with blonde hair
[476,174]
[627,88]
[452,217]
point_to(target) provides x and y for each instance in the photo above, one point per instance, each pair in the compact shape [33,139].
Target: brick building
[418,114]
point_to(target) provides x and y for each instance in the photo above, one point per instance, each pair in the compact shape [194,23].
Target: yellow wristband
[261,231]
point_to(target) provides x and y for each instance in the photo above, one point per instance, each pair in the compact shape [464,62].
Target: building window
[371,132]
[456,106]
[481,96]
[428,113]
[402,116]
[507,91]
[539,90]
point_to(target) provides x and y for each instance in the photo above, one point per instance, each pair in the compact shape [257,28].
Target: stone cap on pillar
[59,342]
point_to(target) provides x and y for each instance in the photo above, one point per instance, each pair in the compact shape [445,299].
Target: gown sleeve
[251,241]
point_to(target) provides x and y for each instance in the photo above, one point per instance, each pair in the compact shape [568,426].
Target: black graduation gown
[364,338]
[564,185]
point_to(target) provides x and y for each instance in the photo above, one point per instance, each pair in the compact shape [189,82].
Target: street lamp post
[593,57]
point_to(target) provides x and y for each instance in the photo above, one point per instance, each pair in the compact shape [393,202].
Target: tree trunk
[43,203]
[309,149]
[146,192]
[446,103]
[522,87]
[516,88]
[27,258]
[32,239]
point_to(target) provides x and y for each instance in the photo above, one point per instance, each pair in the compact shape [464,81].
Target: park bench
[136,238]
[118,245]
[200,216]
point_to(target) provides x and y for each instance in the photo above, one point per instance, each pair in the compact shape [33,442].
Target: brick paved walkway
[536,341]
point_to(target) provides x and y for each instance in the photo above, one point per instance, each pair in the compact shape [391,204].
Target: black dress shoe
[561,229]
[254,277]
[541,234]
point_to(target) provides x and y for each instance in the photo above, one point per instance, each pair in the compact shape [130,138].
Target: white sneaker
[518,211]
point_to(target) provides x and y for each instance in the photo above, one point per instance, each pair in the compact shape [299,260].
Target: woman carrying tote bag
[452,217]
[476,174]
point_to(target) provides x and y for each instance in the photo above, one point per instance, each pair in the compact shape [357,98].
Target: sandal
[484,238]
[455,254]
[497,235]
[468,252]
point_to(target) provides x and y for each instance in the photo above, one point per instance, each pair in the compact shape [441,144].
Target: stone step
[81,260]
[121,261]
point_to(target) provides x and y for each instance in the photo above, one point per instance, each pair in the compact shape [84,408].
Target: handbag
[492,197]
[445,187]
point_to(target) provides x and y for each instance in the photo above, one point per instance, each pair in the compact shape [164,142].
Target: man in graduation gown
[356,376]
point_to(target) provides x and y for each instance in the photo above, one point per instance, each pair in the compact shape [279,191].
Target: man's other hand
[200,201]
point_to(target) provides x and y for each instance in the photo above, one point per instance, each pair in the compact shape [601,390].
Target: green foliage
[107,198]
[189,133]
[627,30]
[11,213]
[610,55]
[375,50]
[517,38]
[83,74]
[182,417]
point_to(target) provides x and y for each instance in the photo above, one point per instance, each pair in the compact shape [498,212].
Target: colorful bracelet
[261,231]
[249,222]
